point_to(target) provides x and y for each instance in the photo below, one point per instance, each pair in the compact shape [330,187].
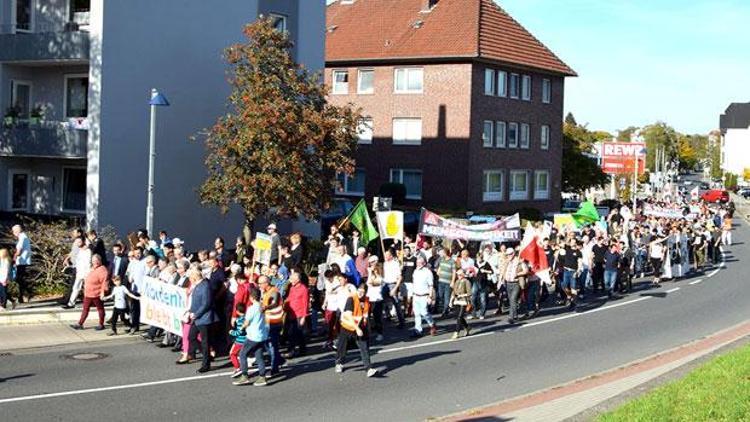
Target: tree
[625,134]
[686,153]
[278,150]
[580,170]
[714,155]
[659,136]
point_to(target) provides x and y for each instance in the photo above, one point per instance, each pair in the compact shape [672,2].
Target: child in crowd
[118,293]
[238,332]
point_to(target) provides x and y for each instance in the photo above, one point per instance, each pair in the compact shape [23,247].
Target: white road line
[603,308]
[673,290]
[433,343]
[713,273]
[696,281]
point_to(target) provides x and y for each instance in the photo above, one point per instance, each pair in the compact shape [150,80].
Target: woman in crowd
[461,289]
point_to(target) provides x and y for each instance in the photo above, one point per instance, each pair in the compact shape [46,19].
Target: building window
[519,187]
[500,134]
[76,95]
[19,187]
[74,190]
[526,88]
[79,11]
[545,137]
[546,91]
[24,15]
[541,184]
[493,186]
[514,85]
[278,21]
[512,135]
[489,82]
[365,82]
[21,97]
[408,80]
[487,133]
[353,185]
[365,131]
[502,83]
[524,136]
[340,82]
[407,131]
[412,179]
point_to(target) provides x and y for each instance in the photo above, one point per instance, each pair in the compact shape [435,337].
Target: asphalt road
[432,376]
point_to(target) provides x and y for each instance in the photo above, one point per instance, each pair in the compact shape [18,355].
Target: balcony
[43,140]
[55,44]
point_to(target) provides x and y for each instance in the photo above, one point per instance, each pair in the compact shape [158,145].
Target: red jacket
[242,296]
[297,303]
[95,284]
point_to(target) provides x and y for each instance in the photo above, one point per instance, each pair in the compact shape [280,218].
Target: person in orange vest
[273,307]
[354,325]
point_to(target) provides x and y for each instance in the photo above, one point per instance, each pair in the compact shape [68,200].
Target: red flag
[532,252]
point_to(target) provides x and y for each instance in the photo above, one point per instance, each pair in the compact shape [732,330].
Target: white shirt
[83,263]
[118,293]
[343,294]
[137,271]
[374,293]
[391,271]
[23,245]
[4,272]
[423,280]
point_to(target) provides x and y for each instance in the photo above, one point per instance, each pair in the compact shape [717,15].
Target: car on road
[716,195]
[744,192]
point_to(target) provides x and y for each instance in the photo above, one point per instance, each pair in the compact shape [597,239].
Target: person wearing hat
[275,242]
[375,294]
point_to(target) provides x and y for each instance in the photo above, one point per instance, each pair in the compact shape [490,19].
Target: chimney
[427,5]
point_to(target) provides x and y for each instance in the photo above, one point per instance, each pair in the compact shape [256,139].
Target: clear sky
[639,61]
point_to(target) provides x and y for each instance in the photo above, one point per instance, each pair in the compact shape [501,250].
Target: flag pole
[380,232]
[345,220]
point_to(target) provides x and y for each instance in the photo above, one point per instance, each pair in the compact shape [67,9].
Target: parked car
[716,195]
[744,192]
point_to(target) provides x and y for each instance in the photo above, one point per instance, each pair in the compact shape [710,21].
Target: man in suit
[119,264]
[354,243]
[203,316]
[96,244]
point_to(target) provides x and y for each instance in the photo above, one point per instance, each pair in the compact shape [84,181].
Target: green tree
[714,155]
[277,151]
[625,134]
[580,170]
[659,136]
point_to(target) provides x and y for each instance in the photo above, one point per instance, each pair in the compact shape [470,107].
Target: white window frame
[546,91]
[488,196]
[284,20]
[13,15]
[502,84]
[524,136]
[11,173]
[513,143]
[544,137]
[406,141]
[541,194]
[488,140]
[345,186]
[400,180]
[365,122]
[71,16]
[489,82]
[335,72]
[359,81]
[518,195]
[62,191]
[407,71]
[14,93]
[501,134]
[68,77]
[514,86]
[526,88]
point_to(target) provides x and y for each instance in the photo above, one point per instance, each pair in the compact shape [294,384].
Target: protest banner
[564,222]
[163,305]
[391,224]
[661,212]
[505,229]
[262,247]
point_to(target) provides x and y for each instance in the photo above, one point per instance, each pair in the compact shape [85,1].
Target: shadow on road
[16,377]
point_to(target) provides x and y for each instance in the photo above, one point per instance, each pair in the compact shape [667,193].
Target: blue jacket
[351,272]
[201,304]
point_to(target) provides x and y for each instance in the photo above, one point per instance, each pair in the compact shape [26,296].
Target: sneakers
[99,327]
[371,372]
[243,380]
[469,317]
[260,382]
[236,373]
[481,317]
[339,368]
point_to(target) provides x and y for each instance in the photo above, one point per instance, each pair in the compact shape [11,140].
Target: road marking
[603,308]
[673,290]
[696,281]
[433,343]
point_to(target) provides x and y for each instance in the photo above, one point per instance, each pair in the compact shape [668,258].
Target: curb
[41,316]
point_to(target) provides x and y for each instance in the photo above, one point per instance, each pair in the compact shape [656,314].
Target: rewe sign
[619,157]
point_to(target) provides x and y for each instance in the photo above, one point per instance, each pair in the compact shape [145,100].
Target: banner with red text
[505,229]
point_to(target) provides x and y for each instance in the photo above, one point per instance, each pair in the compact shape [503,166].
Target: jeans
[420,304]
[532,295]
[272,346]
[3,295]
[610,277]
[514,290]
[256,348]
[389,300]
[342,343]
[203,331]
[377,316]
[478,299]
[461,319]
[569,279]
[444,296]
[296,336]
[87,302]
[583,280]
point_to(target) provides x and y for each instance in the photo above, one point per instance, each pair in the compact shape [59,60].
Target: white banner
[163,305]
[391,224]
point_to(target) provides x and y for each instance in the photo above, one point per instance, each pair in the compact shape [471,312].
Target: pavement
[618,344]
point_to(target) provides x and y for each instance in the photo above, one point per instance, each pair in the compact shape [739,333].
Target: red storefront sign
[619,157]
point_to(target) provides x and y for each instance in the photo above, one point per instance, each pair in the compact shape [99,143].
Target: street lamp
[157,100]
[636,153]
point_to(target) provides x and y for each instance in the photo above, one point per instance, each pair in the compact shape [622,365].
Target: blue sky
[640,61]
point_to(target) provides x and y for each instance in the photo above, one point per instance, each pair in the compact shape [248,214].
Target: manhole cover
[86,356]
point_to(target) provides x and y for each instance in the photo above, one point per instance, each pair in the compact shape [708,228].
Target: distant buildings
[735,138]
[463,105]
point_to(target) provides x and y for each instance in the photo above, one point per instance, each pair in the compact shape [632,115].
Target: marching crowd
[356,295]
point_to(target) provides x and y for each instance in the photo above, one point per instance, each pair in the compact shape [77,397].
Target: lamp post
[636,154]
[157,100]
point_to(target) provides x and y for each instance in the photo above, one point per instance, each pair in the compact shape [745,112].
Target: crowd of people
[351,294]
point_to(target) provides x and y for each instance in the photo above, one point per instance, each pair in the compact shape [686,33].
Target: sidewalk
[13,337]
[569,400]
[43,312]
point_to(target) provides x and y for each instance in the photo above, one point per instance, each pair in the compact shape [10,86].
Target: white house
[735,138]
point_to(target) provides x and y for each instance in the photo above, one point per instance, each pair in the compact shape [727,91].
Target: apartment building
[75,81]
[462,105]
[734,126]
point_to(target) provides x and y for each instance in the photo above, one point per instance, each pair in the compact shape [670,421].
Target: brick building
[461,103]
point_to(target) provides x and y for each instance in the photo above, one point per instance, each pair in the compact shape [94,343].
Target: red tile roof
[368,30]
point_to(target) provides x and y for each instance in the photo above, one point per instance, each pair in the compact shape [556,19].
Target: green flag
[586,214]
[361,220]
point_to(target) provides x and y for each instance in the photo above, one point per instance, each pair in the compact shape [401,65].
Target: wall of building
[736,151]
[533,112]
[443,107]
[186,66]
[46,181]
[48,85]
